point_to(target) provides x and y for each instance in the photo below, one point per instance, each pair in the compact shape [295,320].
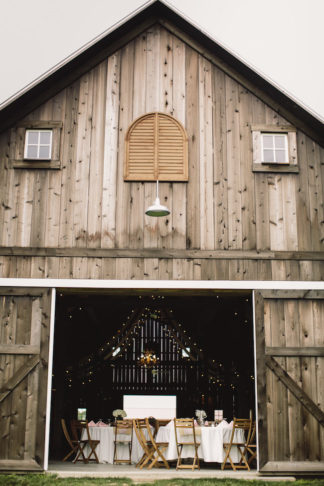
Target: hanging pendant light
[157,209]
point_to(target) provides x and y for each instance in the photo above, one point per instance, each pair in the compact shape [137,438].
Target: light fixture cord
[157,189]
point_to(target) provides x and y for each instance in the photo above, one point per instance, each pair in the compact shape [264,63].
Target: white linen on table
[105,449]
[211,443]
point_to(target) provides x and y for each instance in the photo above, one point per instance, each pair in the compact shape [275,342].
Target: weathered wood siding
[290,356]
[224,206]
[24,348]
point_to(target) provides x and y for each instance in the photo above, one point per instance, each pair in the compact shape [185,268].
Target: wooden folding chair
[77,445]
[81,433]
[148,449]
[159,448]
[123,437]
[185,435]
[251,448]
[239,425]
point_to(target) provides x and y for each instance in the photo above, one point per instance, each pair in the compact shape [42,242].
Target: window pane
[44,152]
[280,141]
[267,141]
[33,137]
[45,138]
[268,156]
[32,152]
[281,156]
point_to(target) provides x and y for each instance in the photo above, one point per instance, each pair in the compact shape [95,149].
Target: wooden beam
[20,374]
[295,389]
[293,294]
[162,253]
[21,292]
[19,465]
[19,349]
[294,351]
[293,467]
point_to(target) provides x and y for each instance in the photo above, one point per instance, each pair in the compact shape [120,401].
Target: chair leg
[95,454]
[227,456]
[179,451]
[81,453]
[73,451]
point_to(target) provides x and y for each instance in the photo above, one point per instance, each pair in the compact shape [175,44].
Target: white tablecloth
[211,443]
[105,450]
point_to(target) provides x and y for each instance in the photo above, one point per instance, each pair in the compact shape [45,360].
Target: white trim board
[49,380]
[163,284]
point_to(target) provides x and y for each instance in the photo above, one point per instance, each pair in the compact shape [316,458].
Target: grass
[53,480]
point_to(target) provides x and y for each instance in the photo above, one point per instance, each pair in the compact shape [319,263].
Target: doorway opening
[194,345]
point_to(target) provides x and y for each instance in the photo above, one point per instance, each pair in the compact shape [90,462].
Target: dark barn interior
[197,345]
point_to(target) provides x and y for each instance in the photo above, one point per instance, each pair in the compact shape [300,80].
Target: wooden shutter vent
[156,149]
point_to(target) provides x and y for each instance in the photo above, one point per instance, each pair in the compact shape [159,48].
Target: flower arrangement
[200,414]
[119,413]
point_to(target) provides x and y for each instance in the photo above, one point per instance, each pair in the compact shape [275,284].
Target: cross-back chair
[81,433]
[77,446]
[123,437]
[158,449]
[239,437]
[148,449]
[250,447]
[185,434]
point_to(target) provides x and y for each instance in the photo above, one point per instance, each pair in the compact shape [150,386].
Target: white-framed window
[274,148]
[38,145]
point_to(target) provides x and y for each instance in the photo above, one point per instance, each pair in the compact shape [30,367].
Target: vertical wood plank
[54,196]
[192,124]
[302,204]
[94,227]
[153,90]
[261,188]
[207,237]
[233,162]
[69,134]
[137,209]
[179,193]
[109,183]
[220,161]
[293,369]
[247,179]
[308,377]
[125,118]
[82,162]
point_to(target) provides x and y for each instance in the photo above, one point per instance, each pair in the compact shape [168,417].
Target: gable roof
[156,11]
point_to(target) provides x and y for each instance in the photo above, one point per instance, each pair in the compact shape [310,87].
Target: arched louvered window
[156,149]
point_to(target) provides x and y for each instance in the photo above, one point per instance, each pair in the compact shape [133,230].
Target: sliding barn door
[24,348]
[290,380]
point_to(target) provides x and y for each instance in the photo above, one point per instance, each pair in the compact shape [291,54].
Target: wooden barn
[226,281]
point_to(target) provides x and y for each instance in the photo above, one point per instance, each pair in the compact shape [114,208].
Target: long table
[211,442]
[105,450]
[210,450]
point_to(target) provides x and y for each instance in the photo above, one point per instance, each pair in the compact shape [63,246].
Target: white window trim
[274,149]
[257,144]
[38,145]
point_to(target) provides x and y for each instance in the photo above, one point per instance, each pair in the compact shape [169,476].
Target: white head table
[210,450]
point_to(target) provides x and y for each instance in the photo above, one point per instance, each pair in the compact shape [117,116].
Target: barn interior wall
[224,206]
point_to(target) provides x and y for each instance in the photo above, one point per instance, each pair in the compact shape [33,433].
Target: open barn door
[290,375]
[24,349]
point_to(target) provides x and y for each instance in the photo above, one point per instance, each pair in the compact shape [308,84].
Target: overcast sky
[281,39]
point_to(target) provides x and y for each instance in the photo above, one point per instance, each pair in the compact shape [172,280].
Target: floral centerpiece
[201,415]
[119,414]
